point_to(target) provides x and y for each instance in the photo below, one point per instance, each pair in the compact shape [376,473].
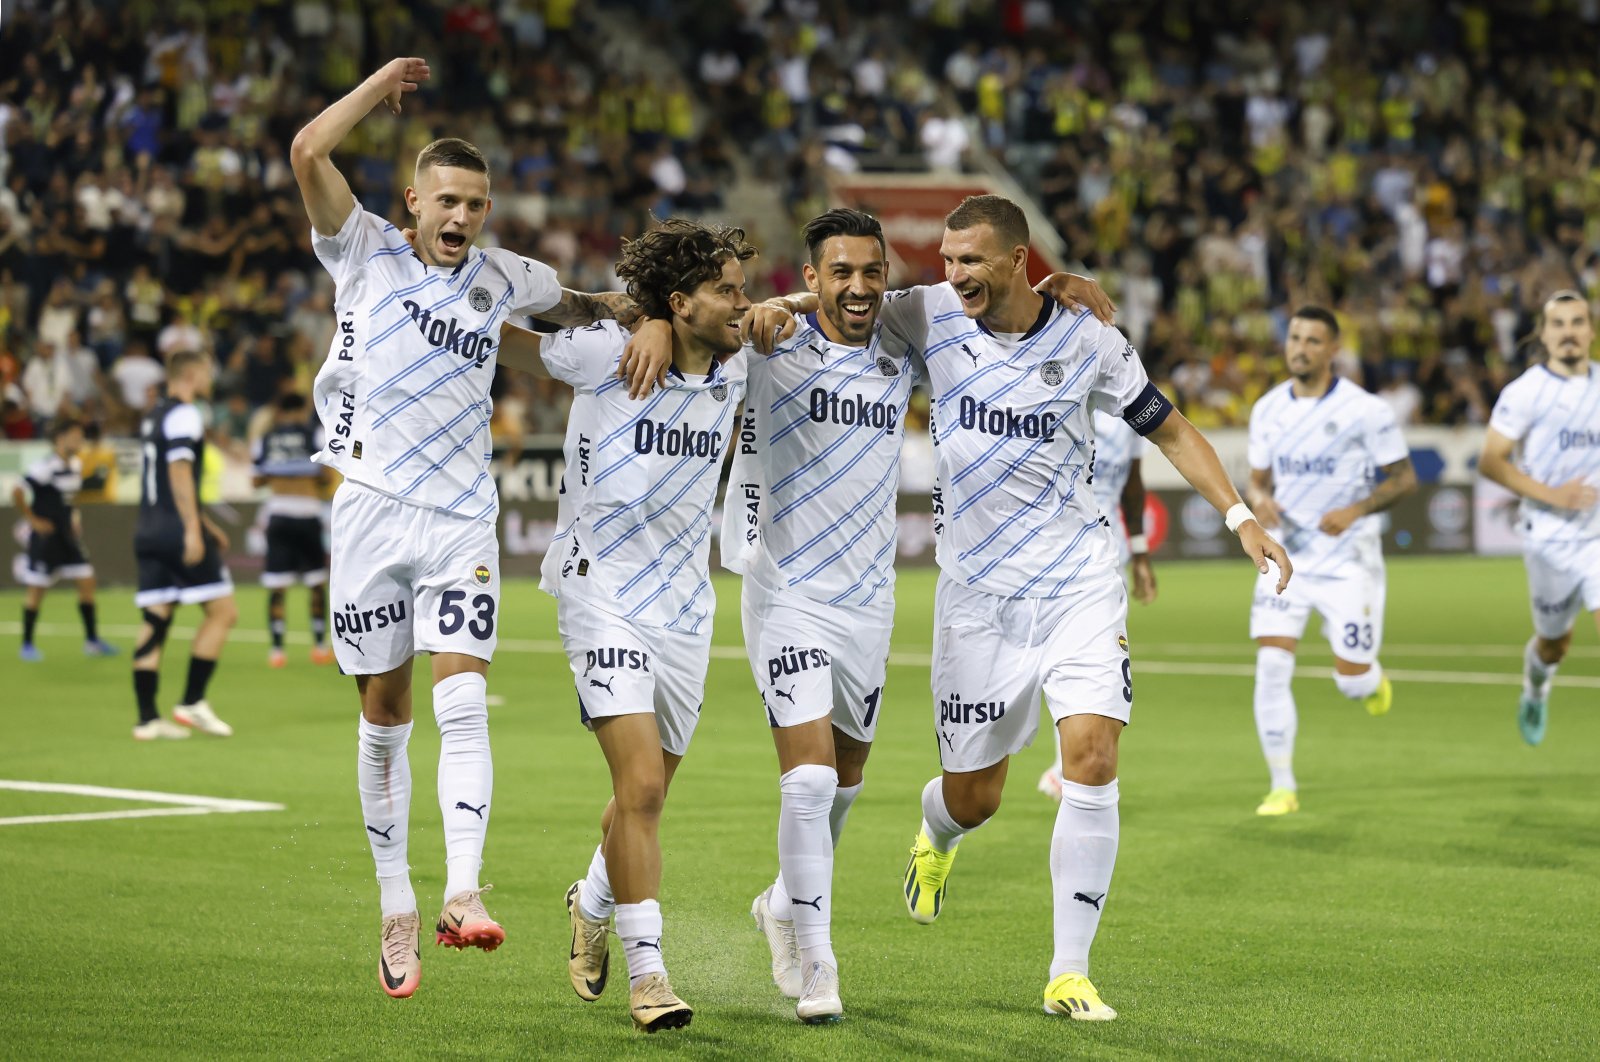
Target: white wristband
[1237,515]
[1138,544]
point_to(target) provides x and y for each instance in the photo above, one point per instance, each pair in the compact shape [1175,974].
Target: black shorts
[164,578]
[294,552]
[58,555]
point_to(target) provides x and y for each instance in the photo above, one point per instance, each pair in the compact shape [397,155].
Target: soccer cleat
[1532,718]
[277,659]
[1072,994]
[96,647]
[925,875]
[1050,784]
[31,654]
[1279,802]
[589,965]
[819,1003]
[655,1006]
[159,729]
[464,923]
[400,955]
[781,942]
[199,716]
[1381,698]
[321,655]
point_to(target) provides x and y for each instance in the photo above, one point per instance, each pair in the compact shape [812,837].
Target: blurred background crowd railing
[1427,170]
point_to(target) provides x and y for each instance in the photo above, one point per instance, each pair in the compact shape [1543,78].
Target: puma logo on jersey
[447,334]
[969,353]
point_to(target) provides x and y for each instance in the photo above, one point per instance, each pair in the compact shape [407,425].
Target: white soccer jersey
[633,525]
[1556,421]
[1324,454]
[811,499]
[1116,448]
[1012,423]
[404,394]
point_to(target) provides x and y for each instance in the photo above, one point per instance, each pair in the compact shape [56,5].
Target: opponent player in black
[55,546]
[179,551]
[293,512]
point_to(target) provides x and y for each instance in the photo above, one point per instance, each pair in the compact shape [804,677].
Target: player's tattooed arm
[1259,497]
[579,309]
[1496,465]
[1401,479]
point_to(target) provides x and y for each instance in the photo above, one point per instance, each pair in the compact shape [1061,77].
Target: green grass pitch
[1438,896]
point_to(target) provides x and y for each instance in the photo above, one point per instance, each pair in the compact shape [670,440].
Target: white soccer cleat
[819,1003]
[199,716]
[159,729]
[781,942]
[1050,784]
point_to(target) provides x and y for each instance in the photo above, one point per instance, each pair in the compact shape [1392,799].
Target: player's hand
[646,357]
[1574,494]
[218,535]
[1338,521]
[1078,294]
[400,76]
[1261,547]
[41,526]
[766,325]
[1144,579]
[194,547]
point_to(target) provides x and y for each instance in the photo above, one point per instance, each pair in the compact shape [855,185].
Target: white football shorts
[622,667]
[993,657]
[813,660]
[1562,578]
[407,579]
[1349,599]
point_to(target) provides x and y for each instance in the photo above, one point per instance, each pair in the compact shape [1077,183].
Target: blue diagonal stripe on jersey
[626,508]
[1066,580]
[660,396]
[884,574]
[432,354]
[448,298]
[447,281]
[470,491]
[632,455]
[393,466]
[875,438]
[796,342]
[1557,469]
[428,472]
[842,439]
[870,525]
[1024,540]
[929,352]
[789,396]
[844,518]
[1024,377]
[1311,482]
[805,414]
[465,367]
[939,318]
[664,553]
[387,252]
[666,582]
[983,458]
[1038,499]
[694,599]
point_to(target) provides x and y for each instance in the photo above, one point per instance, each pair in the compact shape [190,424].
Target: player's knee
[642,797]
[972,805]
[1553,650]
[223,612]
[1360,685]
[157,637]
[1274,670]
[1091,763]
[810,785]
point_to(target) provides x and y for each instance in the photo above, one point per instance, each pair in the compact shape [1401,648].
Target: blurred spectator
[138,377]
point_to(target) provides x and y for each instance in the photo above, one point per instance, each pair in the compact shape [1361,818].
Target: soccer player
[1118,482]
[404,403]
[1316,443]
[629,569]
[1548,419]
[1030,597]
[179,550]
[55,540]
[294,522]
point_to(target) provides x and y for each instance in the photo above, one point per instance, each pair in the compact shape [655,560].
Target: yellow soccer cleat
[1381,699]
[1072,994]
[1279,802]
[925,876]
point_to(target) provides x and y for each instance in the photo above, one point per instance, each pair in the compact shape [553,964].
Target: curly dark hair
[678,255]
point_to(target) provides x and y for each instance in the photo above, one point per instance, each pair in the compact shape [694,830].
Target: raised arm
[579,309]
[327,194]
[1495,464]
[1195,459]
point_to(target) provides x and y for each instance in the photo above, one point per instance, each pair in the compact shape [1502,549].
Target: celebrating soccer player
[404,403]
[629,569]
[294,522]
[1316,443]
[179,550]
[1030,597]
[1549,419]
[55,538]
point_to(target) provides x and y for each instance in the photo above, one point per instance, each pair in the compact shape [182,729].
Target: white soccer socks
[805,858]
[466,776]
[1359,687]
[595,901]
[1536,674]
[942,830]
[1276,720]
[383,778]
[843,798]
[639,929]
[1083,851]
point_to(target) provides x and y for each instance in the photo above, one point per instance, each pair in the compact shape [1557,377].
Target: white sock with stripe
[1083,852]
[639,928]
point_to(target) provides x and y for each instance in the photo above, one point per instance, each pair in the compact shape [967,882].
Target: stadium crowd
[1214,162]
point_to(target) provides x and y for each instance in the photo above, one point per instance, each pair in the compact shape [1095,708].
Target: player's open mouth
[453,241]
[857,309]
[970,294]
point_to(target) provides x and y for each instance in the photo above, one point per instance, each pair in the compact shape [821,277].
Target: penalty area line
[178,803]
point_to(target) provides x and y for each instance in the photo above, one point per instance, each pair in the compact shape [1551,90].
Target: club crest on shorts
[1122,642]
[719,392]
[478,298]
[481,573]
[887,366]
[1052,373]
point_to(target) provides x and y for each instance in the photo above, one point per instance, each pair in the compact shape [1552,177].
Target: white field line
[179,803]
